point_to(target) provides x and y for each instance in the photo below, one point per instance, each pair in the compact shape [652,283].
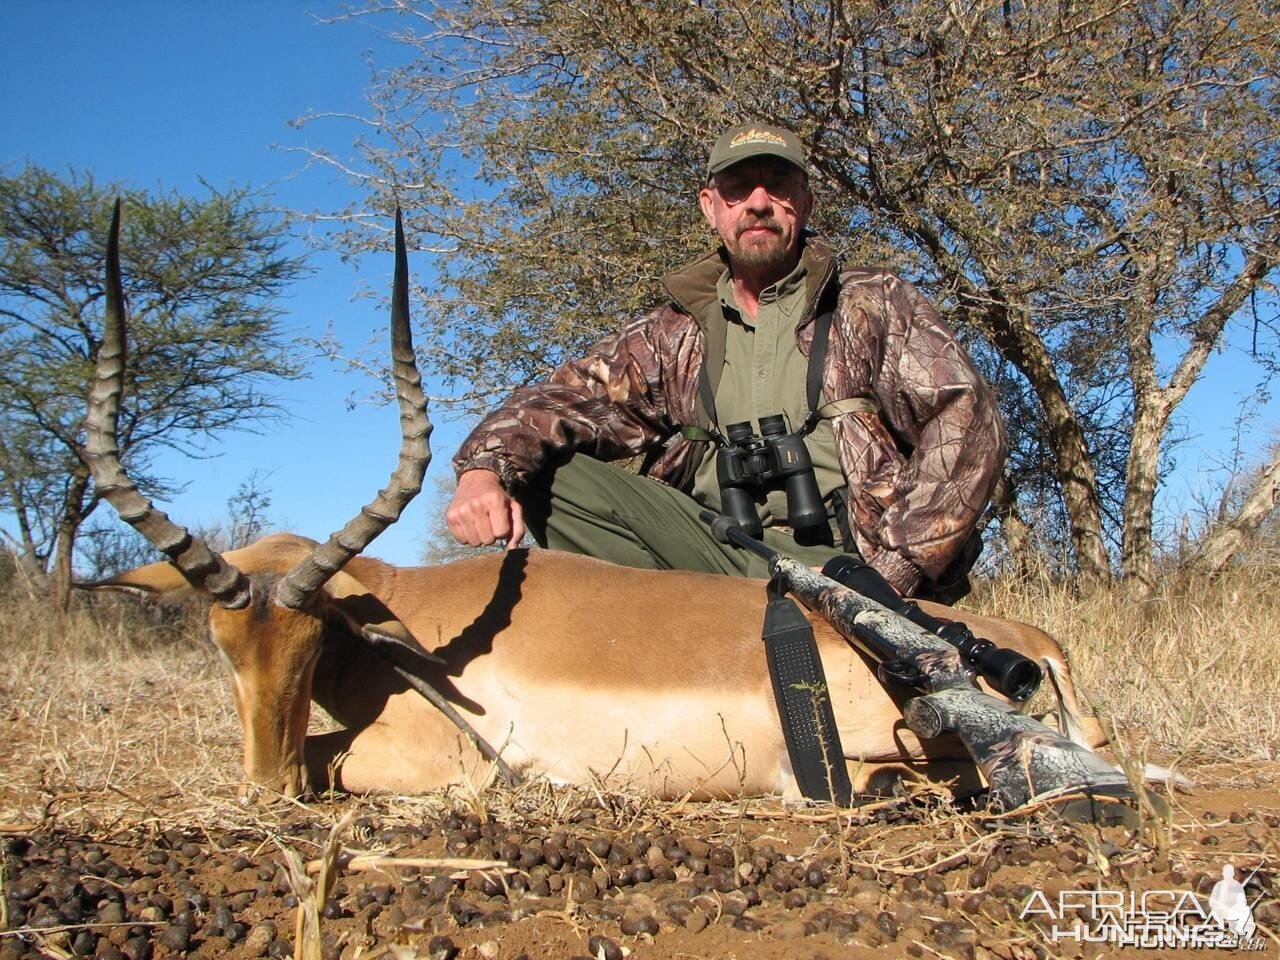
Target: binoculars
[749,464]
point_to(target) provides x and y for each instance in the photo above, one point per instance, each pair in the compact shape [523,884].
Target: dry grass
[109,699]
[1192,670]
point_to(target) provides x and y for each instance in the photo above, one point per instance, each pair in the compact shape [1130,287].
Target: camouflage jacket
[918,433]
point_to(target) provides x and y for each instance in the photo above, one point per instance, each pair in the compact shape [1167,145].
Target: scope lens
[1022,680]
[1014,675]
[738,432]
[773,426]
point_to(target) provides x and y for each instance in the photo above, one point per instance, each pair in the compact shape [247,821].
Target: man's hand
[482,512]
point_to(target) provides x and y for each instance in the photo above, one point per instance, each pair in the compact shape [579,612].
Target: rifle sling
[799,685]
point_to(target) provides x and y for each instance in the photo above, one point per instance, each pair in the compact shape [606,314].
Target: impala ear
[372,619]
[149,581]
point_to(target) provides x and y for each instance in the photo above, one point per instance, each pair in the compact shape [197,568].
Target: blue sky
[162,94]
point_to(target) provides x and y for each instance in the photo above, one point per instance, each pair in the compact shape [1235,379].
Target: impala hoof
[288,785]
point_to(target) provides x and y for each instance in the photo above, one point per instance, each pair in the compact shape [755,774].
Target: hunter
[904,435]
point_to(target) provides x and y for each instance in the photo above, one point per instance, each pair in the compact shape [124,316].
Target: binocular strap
[804,703]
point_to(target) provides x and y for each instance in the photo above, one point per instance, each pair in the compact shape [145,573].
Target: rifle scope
[1007,671]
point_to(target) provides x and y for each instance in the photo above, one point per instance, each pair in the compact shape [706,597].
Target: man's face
[759,207]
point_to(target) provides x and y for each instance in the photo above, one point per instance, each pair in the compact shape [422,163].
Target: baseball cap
[756,140]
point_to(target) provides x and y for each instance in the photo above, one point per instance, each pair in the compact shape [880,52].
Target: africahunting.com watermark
[1150,919]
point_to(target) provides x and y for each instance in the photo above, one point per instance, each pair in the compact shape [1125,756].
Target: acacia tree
[1246,512]
[200,274]
[1089,188]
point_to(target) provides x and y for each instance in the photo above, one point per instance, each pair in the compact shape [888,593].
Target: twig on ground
[377,862]
[67,927]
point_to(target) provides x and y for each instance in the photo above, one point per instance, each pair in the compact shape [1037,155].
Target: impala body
[575,667]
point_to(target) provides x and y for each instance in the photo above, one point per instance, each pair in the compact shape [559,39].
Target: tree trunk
[30,554]
[30,566]
[73,515]
[1017,534]
[1142,474]
[1023,346]
[1154,404]
[1224,541]
[1080,494]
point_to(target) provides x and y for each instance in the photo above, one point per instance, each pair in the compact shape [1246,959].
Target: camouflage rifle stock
[1023,761]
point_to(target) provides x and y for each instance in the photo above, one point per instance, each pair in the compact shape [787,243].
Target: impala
[575,668]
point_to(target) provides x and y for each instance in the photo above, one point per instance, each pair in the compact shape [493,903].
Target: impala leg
[1073,721]
[370,760]
[381,758]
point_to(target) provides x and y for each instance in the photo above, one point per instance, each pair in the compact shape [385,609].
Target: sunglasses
[782,185]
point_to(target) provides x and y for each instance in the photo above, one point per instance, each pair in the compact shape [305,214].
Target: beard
[765,252]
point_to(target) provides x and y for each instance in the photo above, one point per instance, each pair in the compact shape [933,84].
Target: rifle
[1024,762]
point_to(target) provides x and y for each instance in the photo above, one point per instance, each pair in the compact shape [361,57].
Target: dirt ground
[559,873]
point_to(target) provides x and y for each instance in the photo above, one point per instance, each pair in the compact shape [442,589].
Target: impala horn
[203,568]
[301,583]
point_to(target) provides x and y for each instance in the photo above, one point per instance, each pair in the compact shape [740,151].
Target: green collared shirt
[765,373]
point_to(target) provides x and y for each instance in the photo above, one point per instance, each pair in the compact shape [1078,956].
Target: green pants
[587,506]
